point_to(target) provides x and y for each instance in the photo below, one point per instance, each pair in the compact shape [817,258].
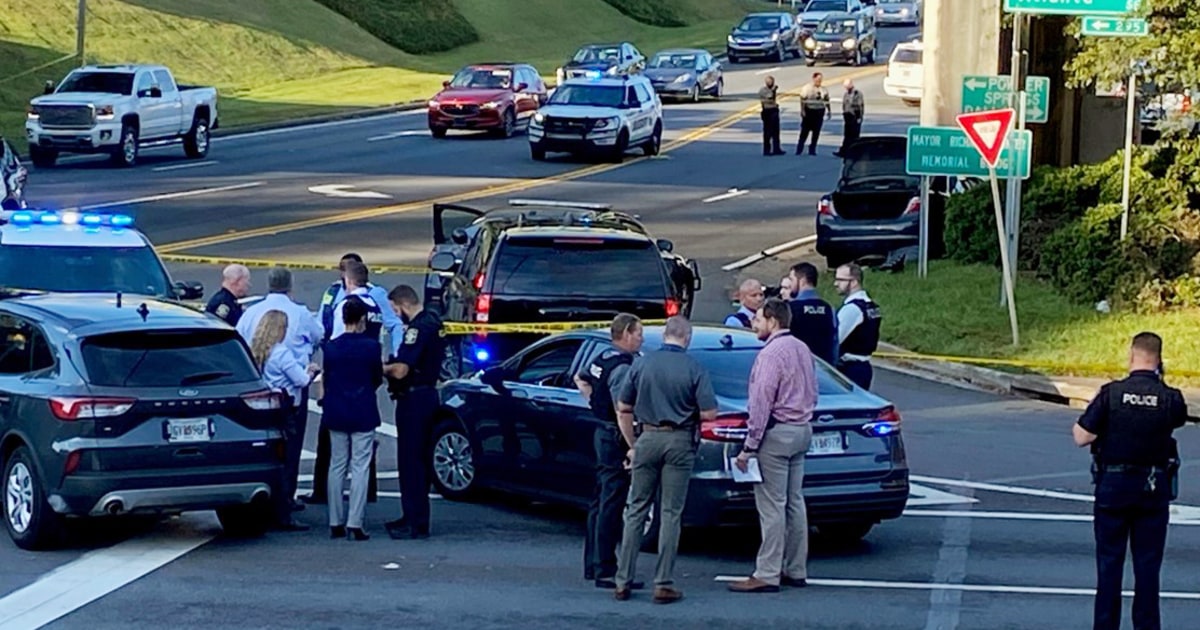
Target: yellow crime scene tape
[290,264]
[1054,365]
[460,328]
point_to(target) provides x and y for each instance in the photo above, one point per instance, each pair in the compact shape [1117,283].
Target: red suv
[497,97]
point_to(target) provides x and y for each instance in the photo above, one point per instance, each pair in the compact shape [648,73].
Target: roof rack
[583,205]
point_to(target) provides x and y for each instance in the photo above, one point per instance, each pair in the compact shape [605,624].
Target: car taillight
[672,306]
[66,408]
[483,304]
[728,427]
[264,400]
[72,462]
[477,282]
[825,207]
[885,424]
[914,206]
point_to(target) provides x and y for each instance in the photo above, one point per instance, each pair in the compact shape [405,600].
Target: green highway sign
[982,93]
[1115,27]
[938,151]
[1072,7]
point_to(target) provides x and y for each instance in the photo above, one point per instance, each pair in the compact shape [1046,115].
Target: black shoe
[610,583]
[779,152]
[812,151]
[290,526]
[357,534]
[793,582]
[313,499]
[297,506]
[337,532]
[407,533]
[400,523]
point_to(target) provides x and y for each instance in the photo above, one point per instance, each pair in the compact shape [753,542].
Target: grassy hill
[274,59]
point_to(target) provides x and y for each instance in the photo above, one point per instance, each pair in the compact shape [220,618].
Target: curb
[1075,393]
[366,112]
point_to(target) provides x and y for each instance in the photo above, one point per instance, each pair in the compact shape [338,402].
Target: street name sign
[948,151]
[982,93]
[1072,7]
[1115,27]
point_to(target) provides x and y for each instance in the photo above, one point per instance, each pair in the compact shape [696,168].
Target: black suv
[548,261]
[130,405]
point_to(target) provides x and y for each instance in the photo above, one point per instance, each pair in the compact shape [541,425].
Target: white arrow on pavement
[340,191]
[975,84]
[919,495]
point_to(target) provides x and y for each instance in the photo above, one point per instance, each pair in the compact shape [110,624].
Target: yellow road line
[516,186]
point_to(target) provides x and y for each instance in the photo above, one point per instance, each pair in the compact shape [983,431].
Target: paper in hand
[752,474]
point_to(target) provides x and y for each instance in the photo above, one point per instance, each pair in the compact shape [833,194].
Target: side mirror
[494,377]
[695,269]
[445,84]
[459,236]
[521,87]
[48,87]
[665,245]
[189,290]
[443,261]
[155,92]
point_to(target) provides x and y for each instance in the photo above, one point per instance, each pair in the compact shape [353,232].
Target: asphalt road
[1001,498]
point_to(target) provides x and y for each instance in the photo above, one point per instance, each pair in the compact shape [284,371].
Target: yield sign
[988,130]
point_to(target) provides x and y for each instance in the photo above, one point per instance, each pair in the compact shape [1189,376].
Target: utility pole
[80,26]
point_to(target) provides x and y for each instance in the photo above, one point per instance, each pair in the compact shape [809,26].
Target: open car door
[448,217]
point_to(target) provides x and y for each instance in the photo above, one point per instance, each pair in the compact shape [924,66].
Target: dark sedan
[685,73]
[599,60]
[530,433]
[764,36]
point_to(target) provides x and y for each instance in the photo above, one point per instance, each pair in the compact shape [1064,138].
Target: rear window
[577,266]
[729,371]
[167,358]
[83,269]
[905,55]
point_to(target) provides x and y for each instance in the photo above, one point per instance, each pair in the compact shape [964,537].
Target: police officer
[751,295]
[1135,462]
[813,321]
[814,110]
[235,283]
[608,374]
[412,376]
[858,325]
[338,291]
[768,96]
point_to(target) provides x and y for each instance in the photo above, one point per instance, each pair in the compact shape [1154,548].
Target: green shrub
[1084,258]
[414,26]
[668,13]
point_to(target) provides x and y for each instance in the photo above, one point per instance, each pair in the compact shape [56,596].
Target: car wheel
[733,59]
[452,461]
[42,158]
[719,91]
[844,533]
[509,126]
[810,62]
[31,523]
[618,153]
[437,132]
[247,521]
[195,143]
[126,154]
[654,145]
[858,58]
[537,153]
[780,52]
[695,95]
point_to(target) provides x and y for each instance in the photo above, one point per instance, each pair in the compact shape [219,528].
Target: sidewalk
[1076,392]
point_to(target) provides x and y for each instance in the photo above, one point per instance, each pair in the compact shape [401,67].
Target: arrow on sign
[988,131]
[1100,25]
[1034,112]
[975,84]
[340,191]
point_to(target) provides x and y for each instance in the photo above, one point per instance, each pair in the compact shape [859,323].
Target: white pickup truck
[116,110]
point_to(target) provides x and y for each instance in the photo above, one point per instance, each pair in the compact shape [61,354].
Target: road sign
[947,151]
[1115,27]
[988,131]
[982,93]
[1072,7]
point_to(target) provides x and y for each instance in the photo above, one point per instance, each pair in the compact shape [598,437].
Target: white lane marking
[385,428]
[1028,516]
[315,126]
[923,495]
[768,70]
[100,572]
[389,474]
[175,195]
[970,588]
[945,606]
[729,194]
[770,251]
[341,191]
[398,134]
[177,167]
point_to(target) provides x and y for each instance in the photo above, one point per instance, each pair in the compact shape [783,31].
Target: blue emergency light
[86,219]
[482,355]
[593,74]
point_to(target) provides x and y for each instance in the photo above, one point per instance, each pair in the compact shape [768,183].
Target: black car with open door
[547,262]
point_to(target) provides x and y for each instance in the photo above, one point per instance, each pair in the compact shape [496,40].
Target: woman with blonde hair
[279,366]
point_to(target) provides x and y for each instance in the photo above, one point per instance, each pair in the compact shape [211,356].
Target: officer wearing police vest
[608,374]
[338,292]
[859,321]
[412,381]
[1135,466]
[813,319]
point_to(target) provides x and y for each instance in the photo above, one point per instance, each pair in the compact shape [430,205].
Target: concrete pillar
[961,37]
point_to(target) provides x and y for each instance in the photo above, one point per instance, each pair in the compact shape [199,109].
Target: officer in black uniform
[608,373]
[859,322]
[1135,465]
[412,380]
[235,283]
[813,319]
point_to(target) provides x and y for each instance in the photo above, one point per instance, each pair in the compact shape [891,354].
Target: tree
[1172,49]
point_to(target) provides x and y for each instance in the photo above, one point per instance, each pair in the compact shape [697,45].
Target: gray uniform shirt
[815,100]
[768,97]
[668,385]
[853,103]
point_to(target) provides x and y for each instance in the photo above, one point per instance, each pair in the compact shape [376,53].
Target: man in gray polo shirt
[669,393]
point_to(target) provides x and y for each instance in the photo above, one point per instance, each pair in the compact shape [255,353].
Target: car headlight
[879,11]
[613,70]
[558,75]
[491,104]
[31,113]
[729,38]
[539,118]
[810,43]
[607,123]
[104,112]
[849,44]
[774,37]
[904,11]
[683,78]
[434,105]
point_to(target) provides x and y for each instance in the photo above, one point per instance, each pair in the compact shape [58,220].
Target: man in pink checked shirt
[783,394]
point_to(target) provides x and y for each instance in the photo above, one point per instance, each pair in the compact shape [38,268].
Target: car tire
[733,59]
[858,58]
[509,126]
[452,461]
[780,52]
[653,146]
[42,158]
[842,534]
[251,520]
[537,153]
[30,521]
[437,132]
[195,143]
[810,62]
[126,153]
[695,95]
[719,91]
[618,152]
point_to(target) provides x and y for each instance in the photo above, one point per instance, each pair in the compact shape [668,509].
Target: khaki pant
[661,458]
[780,502]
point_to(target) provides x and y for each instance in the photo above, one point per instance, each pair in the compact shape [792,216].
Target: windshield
[595,95]
[83,269]
[825,5]
[597,54]
[486,78]
[837,27]
[167,358]
[759,23]
[667,61]
[589,267]
[907,55]
[107,82]
[730,373]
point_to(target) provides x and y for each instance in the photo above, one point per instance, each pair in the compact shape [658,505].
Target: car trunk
[872,204]
[874,184]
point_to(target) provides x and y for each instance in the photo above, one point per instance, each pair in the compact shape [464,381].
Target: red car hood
[470,96]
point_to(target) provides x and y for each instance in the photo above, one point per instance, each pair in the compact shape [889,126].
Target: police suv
[606,116]
[83,252]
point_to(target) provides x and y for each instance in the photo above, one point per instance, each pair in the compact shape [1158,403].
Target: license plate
[826,444]
[190,430]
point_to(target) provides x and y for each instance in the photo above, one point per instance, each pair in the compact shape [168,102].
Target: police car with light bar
[607,115]
[83,252]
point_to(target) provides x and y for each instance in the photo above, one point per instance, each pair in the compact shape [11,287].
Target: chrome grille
[66,115]
[567,125]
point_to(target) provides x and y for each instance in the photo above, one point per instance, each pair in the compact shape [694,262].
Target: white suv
[608,116]
[906,73]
